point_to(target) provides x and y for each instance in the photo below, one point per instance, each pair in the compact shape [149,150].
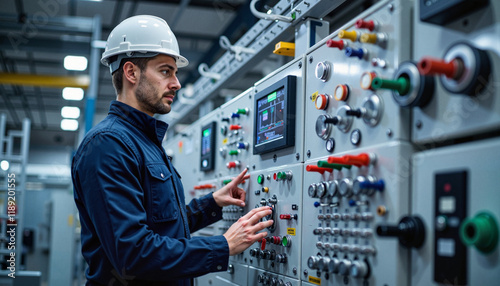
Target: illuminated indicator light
[341,92]
[367,79]
[235,127]
[313,168]
[227,181]
[480,231]
[358,53]
[243,111]
[325,164]
[260,179]
[370,38]
[381,210]
[206,133]
[350,35]
[378,185]
[235,115]
[447,187]
[321,101]
[265,189]
[401,85]
[272,96]
[370,25]
[340,44]
[430,66]
[286,241]
[275,176]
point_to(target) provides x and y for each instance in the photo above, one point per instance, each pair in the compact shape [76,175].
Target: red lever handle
[234,127]
[336,160]
[362,159]
[361,24]
[335,44]
[430,66]
[314,168]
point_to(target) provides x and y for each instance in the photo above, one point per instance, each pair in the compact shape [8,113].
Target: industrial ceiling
[36,35]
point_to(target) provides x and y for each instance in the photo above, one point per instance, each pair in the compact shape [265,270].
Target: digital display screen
[271,111]
[205,141]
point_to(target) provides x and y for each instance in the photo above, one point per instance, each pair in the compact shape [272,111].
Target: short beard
[147,97]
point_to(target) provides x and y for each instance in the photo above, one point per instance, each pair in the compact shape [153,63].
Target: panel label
[224,141]
[290,231]
[314,95]
[315,280]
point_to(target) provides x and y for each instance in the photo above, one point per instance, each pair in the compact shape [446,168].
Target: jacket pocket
[163,200]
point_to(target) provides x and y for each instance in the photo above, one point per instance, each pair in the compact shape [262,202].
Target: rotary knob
[313,262]
[359,269]
[344,266]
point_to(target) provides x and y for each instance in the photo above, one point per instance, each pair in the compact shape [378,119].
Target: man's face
[157,85]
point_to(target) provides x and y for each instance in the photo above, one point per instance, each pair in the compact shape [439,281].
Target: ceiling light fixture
[72,93]
[75,63]
[70,112]
[69,124]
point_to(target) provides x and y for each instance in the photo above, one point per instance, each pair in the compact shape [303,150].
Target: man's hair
[118,74]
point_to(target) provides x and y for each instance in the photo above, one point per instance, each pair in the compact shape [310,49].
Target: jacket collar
[154,129]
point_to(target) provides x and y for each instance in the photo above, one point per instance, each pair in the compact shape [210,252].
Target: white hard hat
[141,37]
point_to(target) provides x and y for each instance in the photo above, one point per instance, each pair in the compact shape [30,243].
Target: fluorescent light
[70,112]
[69,124]
[72,93]
[4,165]
[75,63]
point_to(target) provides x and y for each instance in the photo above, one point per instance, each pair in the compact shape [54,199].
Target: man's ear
[130,73]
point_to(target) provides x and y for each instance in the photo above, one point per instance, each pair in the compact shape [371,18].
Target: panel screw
[419,124]
[297,156]
[300,65]
[305,273]
[275,158]
[308,153]
[389,133]
[310,60]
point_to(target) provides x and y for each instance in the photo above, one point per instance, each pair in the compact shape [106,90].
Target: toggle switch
[235,115]
[340,44]
[234,152]
[464,69]
[341,92]
[401,84]
[226,181]
[225,119]
[362,159]
[370,25]
[234,127]
[321,102]
[378,185]
[370,111]
[233,164]
[288,216]
[243,145]
[375,38]
[350,35]
[338,167]
[360,53]
[410,231]
[314,168]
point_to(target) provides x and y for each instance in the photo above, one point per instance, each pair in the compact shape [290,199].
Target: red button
[234,127]
[340,44]
[285,216]
[361,24]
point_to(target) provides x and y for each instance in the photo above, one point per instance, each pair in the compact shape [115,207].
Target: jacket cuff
[220,254]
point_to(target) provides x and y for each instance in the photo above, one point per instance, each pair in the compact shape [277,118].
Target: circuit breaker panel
[377,148]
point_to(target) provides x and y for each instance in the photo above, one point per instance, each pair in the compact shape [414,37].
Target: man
[135,224]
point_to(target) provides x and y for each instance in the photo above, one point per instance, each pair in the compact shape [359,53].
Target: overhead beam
[82,81]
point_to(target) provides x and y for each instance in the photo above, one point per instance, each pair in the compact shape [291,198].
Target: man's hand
[242,234]
[231,194]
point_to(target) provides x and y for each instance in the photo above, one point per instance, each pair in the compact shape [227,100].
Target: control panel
[456,197]
[344,109]
[463,59]
[353,202]
[376,149]
[280,189]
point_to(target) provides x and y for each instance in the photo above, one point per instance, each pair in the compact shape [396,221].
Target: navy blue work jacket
[135,223]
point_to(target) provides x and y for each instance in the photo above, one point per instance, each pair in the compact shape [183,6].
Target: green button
[260,179]
[225,182]
[234,152]
[480,231]
[242,110]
